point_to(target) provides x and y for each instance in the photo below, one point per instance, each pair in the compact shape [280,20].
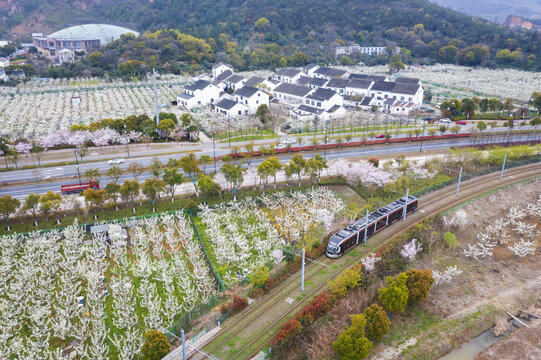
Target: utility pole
[459,178]
[156,97]
[302,271]
[503,167]
[423,136]
[229,130]
[127,140]
[214,152]
[406,204]
[366,227]
[5,152]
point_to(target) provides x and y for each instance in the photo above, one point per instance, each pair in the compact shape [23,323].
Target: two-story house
[200,93]
[358,87]
[290,93]
[234,82]
[287,75]
[230,108]
[220,68]
[251,97]
[337,84]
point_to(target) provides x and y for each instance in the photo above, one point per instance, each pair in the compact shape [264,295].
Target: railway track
[431,204]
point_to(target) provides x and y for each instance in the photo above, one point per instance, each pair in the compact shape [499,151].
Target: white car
[116,161]
[445,120]
[288,141]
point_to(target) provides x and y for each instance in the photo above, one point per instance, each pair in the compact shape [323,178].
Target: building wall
[254,101]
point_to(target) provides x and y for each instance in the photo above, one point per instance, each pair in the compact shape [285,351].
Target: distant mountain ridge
[495,10]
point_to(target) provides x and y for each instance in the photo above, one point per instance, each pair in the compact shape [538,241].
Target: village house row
[306,93]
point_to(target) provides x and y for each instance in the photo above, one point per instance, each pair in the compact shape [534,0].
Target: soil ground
[487,288]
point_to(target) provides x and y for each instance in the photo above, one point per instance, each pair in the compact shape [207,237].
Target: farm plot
[58,289]
[244,236]
[37,109]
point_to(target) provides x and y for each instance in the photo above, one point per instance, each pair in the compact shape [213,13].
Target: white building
[310,69]
[337,84]
[291,94]
[251,97]
[287,75]
[201,93]
[230,108]
[372,50]
[234,82]
[220,68]
[365,50]
[358,87]
[383,90]
[324,99]
[329,73]
[4,62]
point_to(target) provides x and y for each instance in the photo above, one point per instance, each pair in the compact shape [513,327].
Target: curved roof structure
[105,33]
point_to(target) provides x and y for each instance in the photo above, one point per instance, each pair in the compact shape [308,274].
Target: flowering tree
[410,249]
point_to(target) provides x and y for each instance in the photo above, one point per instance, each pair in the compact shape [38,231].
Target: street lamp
[229,130]
[325,151]
[214,152]
[127,141]
[422,138]
[5,153]
[78,174]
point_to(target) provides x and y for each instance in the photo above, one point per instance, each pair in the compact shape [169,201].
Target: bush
[377,322]
[374,161]
[287,332]
[418,283]
[315,309]
[394,297]
[351,343]
[235,306]
[346,282]
[450,239]
[155,347]
[259,277]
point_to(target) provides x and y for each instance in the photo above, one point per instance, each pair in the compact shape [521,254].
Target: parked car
[116,161]
[461,122]
[445,120]
[430,120]
[380,136]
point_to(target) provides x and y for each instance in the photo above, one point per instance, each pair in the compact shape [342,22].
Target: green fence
[508,165]
[185,320]
[488,193]
[219,281]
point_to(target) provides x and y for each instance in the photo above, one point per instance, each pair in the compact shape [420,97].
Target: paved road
[64,171]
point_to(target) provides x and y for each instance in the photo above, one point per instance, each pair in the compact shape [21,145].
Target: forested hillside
[262,33]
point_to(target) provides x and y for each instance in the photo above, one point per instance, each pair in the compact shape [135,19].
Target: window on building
[318,104]
[240,112]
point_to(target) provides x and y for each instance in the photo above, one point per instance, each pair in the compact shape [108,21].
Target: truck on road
[77,188]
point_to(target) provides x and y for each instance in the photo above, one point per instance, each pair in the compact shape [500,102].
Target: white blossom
[410,249]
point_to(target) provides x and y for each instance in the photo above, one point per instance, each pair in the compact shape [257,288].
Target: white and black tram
[351,235]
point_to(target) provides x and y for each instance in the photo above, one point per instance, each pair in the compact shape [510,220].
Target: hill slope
[311,26]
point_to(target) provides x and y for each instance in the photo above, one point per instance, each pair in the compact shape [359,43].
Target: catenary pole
[302,271]
[459,178]
[503,167]
[366,227]
[406,204]
[183,344]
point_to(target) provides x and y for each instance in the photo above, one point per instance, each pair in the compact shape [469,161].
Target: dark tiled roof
[224,75]
[366,101]
[185,96]
[407,80]
[308,67]
[233,79]
[409,89]
[359,84]
[303,80]
[253,81]
[310,109]
[389,101]
[382,86]
[246,91]
[327,71]
[226,104]
[337,83]
[334,108]
[289,72]
[292,89]
[217,65]
[367,77]
[321,94]
[198,85]
[318,82]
